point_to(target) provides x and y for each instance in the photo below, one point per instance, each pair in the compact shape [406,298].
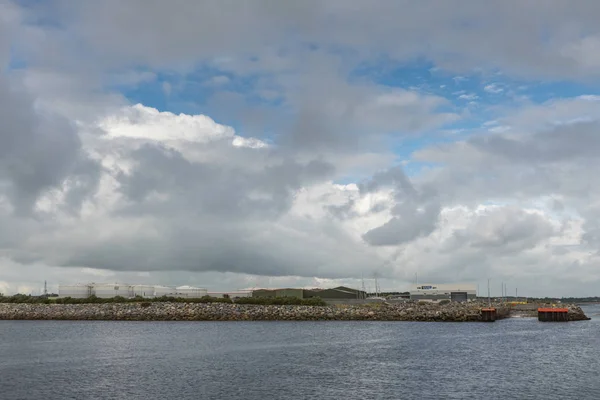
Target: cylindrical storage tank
[75,291]
[143,290]
[106,291]
[191,292]
[160,291]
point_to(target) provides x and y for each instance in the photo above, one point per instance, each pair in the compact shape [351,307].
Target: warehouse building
[436,292]
[338,293]
[75,291]
[286,292]
[231,295]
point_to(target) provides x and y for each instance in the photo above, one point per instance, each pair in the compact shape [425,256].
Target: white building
[190,292]
[450,291]
[108,290]
[75,291]
[143,290]
[160,291]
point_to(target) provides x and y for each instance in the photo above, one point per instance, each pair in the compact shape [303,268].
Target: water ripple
[510,359]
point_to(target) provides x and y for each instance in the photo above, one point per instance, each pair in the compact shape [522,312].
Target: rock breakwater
[453,312]
[576,313]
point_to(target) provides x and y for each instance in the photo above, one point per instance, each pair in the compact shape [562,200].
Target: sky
[244,144]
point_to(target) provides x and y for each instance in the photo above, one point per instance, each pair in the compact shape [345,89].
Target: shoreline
[167,311]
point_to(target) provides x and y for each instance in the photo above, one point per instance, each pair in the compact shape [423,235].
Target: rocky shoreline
[453,312]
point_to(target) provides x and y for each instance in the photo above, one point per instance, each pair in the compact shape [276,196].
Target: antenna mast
[364,289]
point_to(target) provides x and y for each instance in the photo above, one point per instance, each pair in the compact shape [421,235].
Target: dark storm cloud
[394,177]
[526,164]
[37,151]
[409,223]
[179,242]
[505,230]
[563,143]
[229,192]
[414,213]
[457,34]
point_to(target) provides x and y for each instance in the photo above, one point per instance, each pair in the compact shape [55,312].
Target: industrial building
[103,290]
[75,291]
[287,292]
[436,292]
[338,293]
[231,295]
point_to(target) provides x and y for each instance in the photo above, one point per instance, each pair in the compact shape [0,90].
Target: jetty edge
[179,311]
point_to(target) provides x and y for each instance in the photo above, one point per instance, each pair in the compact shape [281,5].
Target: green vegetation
[23,298]
[594,299]
[145,302]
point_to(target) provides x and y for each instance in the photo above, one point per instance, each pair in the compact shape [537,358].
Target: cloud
[584,51]
[470,96]
[414,214]
[505,229]
[555,112]
[528,248]
[335,116]
[427,29]
[541,164]
[184,212]
[218,80]
[39,151]
[167,88]
[140,122]
[278,163]
[493,88]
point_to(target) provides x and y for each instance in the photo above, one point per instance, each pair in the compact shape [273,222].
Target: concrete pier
[553,314]
[488,314]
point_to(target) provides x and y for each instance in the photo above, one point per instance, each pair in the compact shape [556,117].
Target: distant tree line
[593,299]
[28,299]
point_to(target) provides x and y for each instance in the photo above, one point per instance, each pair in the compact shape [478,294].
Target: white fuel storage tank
[160,291]
[143,290]
[191,292]
[109,290]
[75,291]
